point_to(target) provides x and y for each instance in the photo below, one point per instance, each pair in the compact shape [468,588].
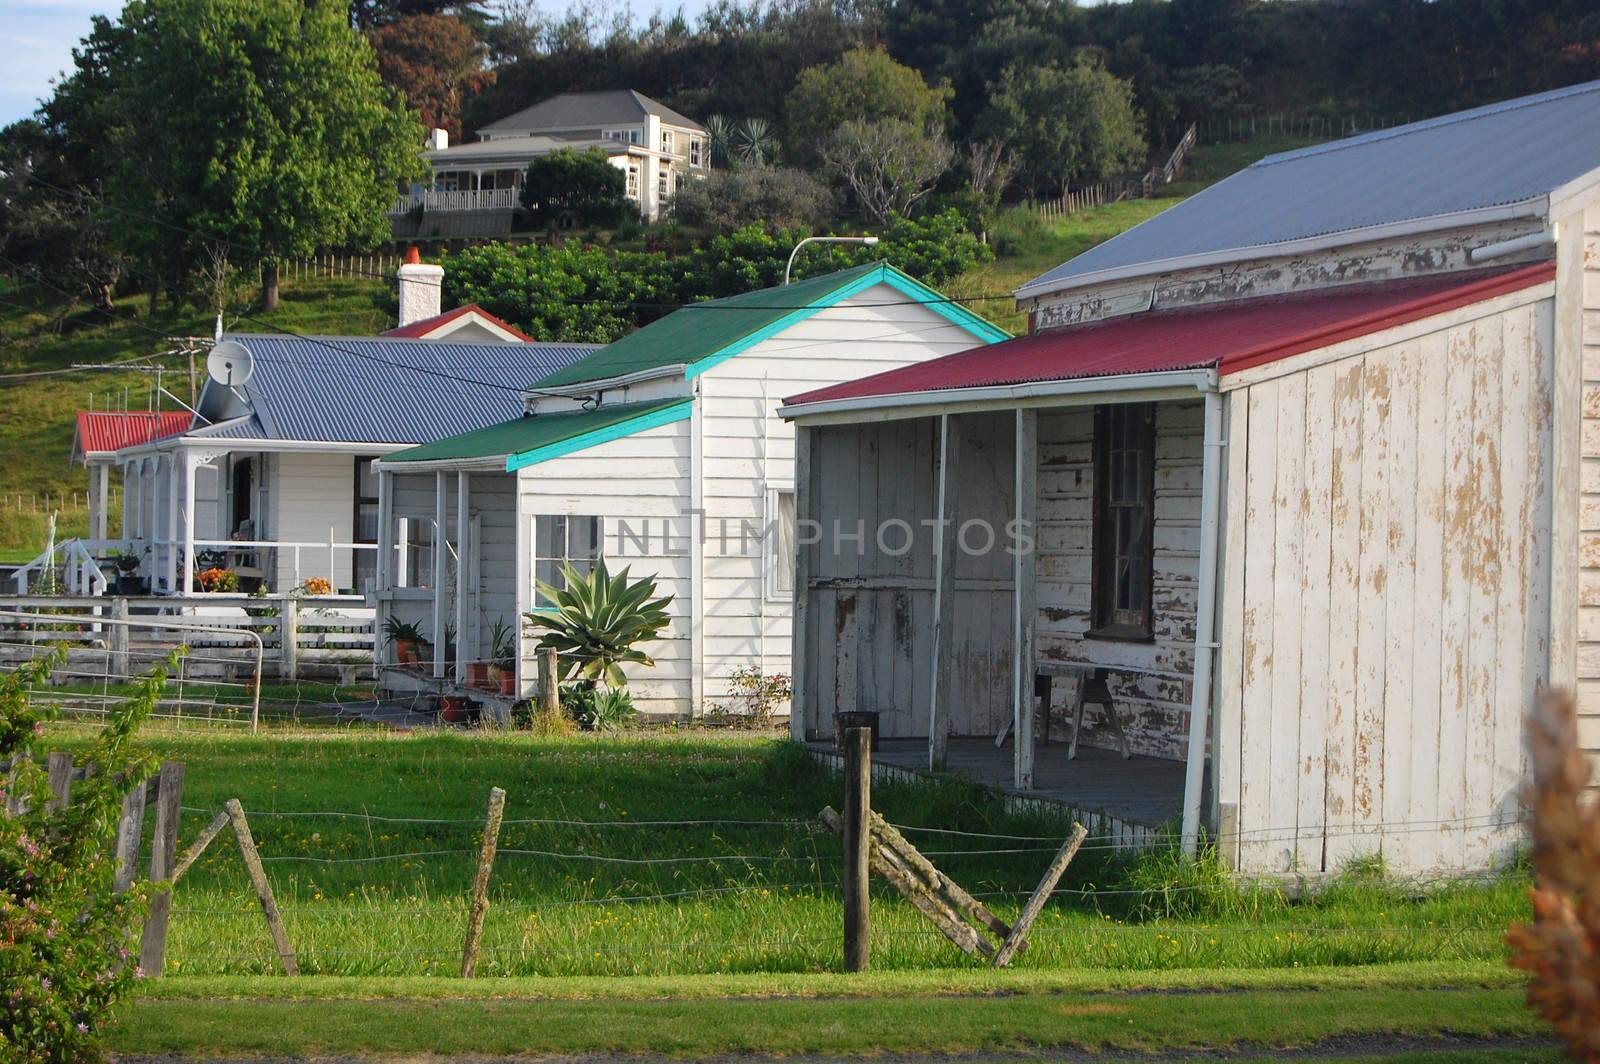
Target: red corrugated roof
[1228,336]
[419,330]
[102,430]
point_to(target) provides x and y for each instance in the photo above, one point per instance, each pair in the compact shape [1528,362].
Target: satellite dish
[230,364]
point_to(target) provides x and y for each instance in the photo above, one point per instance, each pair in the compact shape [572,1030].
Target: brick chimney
[420,285]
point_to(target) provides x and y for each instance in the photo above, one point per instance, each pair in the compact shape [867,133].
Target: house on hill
[1279,515]
[662,451]
[657,149]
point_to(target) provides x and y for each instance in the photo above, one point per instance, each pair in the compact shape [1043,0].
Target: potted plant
[457,709]
[406,638]
[501,668]
[217,580]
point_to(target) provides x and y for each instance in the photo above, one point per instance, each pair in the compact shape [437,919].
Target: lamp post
[787,270]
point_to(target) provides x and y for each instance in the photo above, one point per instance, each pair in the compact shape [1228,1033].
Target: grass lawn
[941,1012]
[663,854]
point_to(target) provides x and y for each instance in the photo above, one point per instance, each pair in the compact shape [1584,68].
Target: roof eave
[1157,384]
[1536,207]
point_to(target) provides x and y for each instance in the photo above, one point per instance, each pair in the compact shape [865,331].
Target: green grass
[369,896]
[1000,1017]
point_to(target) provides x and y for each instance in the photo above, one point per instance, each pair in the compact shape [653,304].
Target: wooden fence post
[258,879]
[198,846]
[857,849]
[163,848]
[59,771]
[130,827]
[480,885]
[549,681]
[119,640]
[288,639]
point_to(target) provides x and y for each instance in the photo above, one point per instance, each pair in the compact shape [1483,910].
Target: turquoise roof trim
[885,274]
[666,415]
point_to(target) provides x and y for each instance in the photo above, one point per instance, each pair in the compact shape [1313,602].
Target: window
[633,180]
[661,185]
[780,545]
[678,182]
[414,546]
[558,539]
[694,151]
[1124,479]
[364,563]
[666,141]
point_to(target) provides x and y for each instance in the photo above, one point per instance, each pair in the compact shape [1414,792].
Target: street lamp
[868,240]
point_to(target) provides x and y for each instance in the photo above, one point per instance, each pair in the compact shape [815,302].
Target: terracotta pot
[478,675]
[508,683]
[405,651]
[454,708]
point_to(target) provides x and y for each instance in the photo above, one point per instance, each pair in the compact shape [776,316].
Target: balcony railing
[487,199]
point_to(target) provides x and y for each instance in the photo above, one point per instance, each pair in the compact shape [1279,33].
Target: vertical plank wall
[1157,698]
[1589,512]
[1383,598]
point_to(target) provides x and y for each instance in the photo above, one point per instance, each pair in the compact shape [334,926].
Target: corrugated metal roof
[102,431]
[1494,156]
[1227,336]
[378,390]
[571,110]
[530,433]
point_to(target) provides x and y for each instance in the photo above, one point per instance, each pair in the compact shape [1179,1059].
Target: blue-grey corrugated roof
[357,389]
[1506,153]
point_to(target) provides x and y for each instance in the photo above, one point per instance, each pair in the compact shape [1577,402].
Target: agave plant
[597,620]
[756,142]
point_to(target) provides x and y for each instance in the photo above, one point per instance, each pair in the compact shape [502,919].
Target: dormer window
[666,141]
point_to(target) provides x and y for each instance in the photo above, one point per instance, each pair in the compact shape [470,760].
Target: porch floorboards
[1143,791]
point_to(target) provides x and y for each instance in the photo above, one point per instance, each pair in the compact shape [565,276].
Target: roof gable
[1456,169]
[358,389]
[441,325]
[574,110]
[702,335]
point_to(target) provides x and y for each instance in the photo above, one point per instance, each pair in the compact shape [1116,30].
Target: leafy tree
[370,14]
[888,165]
[436,62]
[990,167]
[1067,124]
[728,199]
[864,87]
[66,932]
[583,185]
[261,124]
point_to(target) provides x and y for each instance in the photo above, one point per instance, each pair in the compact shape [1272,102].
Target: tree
[990,168]
[370,14]
[862,86]
[436,62]
[582,185]
[888,165]
[262,124]
[779,198]
[1067,124]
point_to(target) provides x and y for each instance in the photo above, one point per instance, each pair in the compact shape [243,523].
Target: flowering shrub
[218,579]
[65,935]
[317,585]
[752,698]
[1561,946]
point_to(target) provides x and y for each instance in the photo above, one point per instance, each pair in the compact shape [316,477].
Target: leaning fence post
[857,846]
[480,885]
[288,639]
[258,879]
[163,848]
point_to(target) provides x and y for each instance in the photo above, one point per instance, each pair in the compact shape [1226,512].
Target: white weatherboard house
[272,478]
[657,149]
[1309,466]
[662,451]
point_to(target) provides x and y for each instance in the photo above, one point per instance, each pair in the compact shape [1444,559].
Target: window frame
[535,558]
[358,556]
[771,564]
[696,152]
[1106,620]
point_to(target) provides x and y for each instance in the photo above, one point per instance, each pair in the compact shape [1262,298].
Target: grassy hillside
[36,412]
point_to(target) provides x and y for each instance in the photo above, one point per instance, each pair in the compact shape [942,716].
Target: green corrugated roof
[701,330]
[544,433]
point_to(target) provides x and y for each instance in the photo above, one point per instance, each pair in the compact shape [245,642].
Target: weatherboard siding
[639,486]
[313,500]
[749,451]
[1384,596]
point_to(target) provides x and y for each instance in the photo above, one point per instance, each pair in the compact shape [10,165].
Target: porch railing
[74,566]
[471,199]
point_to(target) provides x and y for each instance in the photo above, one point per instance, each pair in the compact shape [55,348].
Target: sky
[39,36]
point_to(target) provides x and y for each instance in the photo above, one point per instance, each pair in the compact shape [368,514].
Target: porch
[991,579]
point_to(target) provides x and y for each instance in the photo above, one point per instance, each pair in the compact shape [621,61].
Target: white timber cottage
[664,453]
[271,477]
[657,149]
[1295,486]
